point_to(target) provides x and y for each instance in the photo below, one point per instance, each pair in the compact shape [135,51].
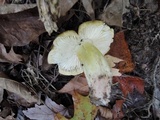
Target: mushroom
[84,52]
[97,72]
[64,51]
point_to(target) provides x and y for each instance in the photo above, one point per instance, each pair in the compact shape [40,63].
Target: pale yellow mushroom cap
[97,33]
[65,46]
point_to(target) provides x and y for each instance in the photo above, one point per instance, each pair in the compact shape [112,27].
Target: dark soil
[143,37]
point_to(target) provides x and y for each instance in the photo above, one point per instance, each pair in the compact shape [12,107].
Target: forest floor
[23,61]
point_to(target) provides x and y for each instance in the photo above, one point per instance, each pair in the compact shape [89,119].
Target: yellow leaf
[83,108]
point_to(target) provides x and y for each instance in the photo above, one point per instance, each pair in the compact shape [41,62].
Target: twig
[155,87]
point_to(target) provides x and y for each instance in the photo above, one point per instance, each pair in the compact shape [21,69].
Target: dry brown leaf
[2,2]
[18,89]
[88,7]
[18,99]
[78,83]
[20,28]
[112,15]
[65,6]
[117,110]
[112,61]
[119,49]
[10,117]
[10,57]
[105,113]
[13,8]
[129,83]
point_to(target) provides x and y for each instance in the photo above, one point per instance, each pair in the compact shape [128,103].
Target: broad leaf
[119,49]
[129,83]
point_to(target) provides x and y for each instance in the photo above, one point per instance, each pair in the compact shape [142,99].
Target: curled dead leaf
[10,57]
[105,113]
[119,49]
[18,89]
[78,83]
[112,61]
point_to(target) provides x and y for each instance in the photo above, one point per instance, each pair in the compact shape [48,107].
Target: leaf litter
[132,94]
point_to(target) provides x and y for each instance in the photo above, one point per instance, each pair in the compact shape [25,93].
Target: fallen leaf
[10,117]
[65,6]
[112,15]
[78,84]
[112,61]
[19,29]
[129,83]
[6,111]
[83,108]
[39,113]
[117,110]
[2,2]
[10,57]
[46,112]
[18,99]
[119,49]
[18,89]
[88,7]
[105,113]
[56,108]
[14,8]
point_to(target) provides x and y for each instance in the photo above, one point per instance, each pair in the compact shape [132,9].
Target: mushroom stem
[97,72]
